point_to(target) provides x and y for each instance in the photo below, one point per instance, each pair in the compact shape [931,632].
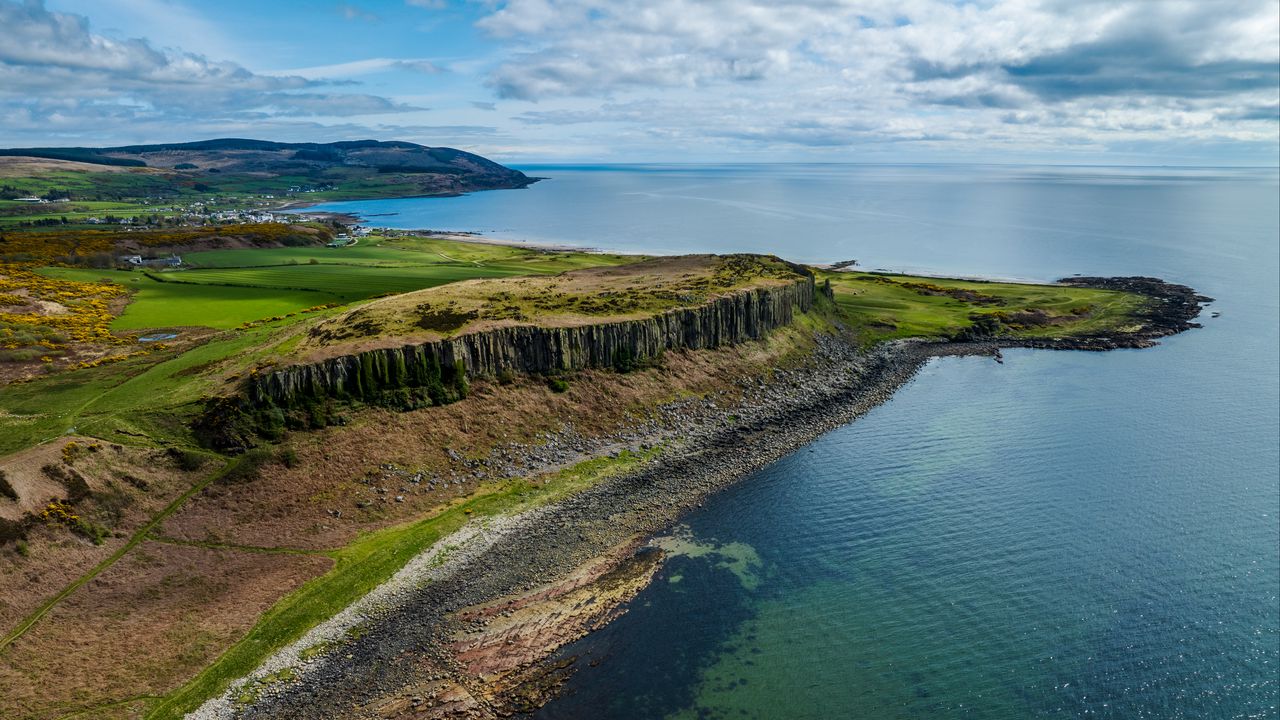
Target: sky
[1140,82]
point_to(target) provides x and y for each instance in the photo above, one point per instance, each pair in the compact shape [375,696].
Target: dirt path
[136,539]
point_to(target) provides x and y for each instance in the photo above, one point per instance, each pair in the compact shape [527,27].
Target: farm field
[226,288]
[346,282]
[167,304]
[147,396]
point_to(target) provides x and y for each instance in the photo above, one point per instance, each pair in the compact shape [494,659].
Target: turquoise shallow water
[1064,535]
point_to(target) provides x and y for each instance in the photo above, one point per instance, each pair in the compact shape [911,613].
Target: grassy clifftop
[580,297]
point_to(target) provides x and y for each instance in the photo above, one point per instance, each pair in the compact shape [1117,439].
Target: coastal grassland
[148,397]
[596,404]
[258,321]
[156,304]
[379,265]
[234,286]
[410,251]
[229,287]
[887,307]
[372,560]
[537,259]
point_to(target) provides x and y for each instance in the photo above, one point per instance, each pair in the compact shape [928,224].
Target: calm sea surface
[1065,535]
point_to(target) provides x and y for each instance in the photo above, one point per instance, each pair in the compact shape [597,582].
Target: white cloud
[54,70]
[829,73]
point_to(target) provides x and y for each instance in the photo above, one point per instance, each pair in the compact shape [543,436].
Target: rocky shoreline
[468,637]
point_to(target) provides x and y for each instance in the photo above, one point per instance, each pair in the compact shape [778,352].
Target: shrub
[624,361]
[270,423]
[186,460]
[985,326]
[112,502]
[77,487]
[23,548]
[557,385]
[249,468]
[135,481]
[61,512]
[288,457]
[72,451]
[6,488]
[506,377]
[13,529]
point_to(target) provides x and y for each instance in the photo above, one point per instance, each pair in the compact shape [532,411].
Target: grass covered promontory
[883,306]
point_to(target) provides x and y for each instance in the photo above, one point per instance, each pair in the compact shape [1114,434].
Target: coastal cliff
[529,349]
[436,372]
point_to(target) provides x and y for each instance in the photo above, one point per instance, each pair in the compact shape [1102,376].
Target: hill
[241,173]
[236,155]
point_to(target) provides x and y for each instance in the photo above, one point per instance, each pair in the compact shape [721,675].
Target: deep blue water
[1064,535]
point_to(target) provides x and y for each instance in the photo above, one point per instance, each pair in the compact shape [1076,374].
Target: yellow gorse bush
[87,319]
[59,511]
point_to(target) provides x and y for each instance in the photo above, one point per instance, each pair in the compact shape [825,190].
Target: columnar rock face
[729,320]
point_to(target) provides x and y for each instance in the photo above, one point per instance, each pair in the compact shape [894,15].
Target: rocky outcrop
[531,349]
[1173,308]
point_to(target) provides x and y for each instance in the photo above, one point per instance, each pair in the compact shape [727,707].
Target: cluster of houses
[253,216]
[311,188]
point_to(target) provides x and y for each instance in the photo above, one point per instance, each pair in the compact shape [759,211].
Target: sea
[1064,535]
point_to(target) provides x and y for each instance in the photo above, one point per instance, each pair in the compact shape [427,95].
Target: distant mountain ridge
[240,155]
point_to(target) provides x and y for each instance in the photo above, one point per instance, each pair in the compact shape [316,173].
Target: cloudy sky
[1070,81]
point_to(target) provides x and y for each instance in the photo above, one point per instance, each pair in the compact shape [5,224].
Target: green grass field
[882,310]
[163,304]
[154,394]
[409,252]
[346,282]
[140,392]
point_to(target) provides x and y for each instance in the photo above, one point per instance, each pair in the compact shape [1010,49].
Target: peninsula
[288,477]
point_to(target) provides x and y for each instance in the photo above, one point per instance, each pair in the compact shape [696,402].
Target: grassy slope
[590,295]
[366,564]
[140,395]
[346,282]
